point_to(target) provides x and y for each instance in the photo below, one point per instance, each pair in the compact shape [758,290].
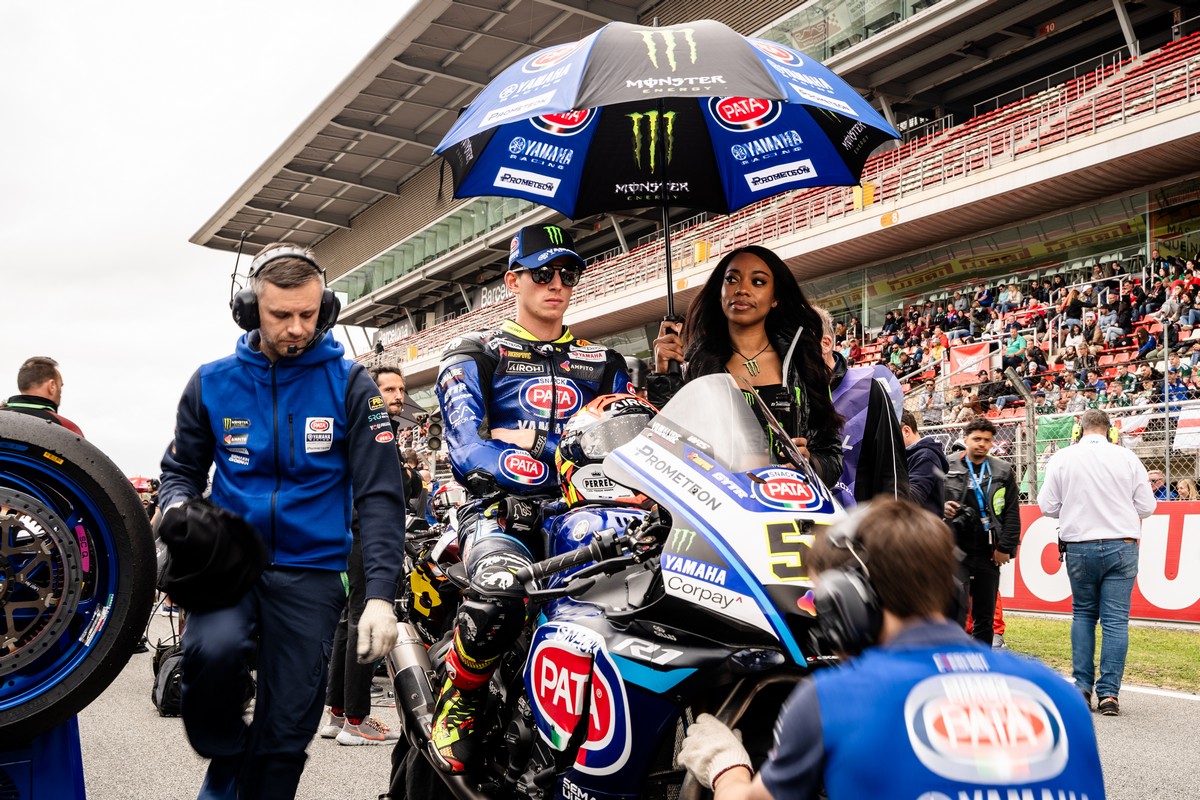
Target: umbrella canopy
[718,119]
[411,413]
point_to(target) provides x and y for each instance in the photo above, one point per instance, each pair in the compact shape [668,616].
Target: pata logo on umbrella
[738,114]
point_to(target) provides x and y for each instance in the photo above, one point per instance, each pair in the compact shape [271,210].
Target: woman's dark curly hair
[706,331]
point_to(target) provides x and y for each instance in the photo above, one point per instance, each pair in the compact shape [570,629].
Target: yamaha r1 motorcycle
[644,619]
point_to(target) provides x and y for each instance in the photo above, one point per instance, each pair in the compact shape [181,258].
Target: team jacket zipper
[275,437]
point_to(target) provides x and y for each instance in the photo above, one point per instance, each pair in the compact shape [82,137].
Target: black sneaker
[1087,698]
[454,736]
[1108,706]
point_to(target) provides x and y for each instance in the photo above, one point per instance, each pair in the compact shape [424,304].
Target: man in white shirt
[1099,492]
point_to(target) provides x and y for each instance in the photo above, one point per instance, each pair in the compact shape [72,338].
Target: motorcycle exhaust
[409,666]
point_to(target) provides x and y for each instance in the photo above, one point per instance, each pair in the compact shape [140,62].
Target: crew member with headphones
[280,419]
[924,711]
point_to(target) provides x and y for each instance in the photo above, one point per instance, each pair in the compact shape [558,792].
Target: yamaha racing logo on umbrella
[986,728]
[738,114]
[520,467]
[543,154]
[540,395]
[785,489]
[570,676]
[567,123]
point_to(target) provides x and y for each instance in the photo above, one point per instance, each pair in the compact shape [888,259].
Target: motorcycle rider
[505,395]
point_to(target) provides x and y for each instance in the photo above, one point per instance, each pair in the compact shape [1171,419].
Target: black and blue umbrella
[692,115]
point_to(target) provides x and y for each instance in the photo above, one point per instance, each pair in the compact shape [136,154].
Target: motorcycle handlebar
[605,546]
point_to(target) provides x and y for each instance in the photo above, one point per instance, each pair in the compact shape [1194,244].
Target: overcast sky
[125,127]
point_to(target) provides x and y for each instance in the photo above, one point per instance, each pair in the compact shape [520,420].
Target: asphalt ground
[1149,752]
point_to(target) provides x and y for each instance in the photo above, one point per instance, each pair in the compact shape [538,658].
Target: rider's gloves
[711,749]
[376,630]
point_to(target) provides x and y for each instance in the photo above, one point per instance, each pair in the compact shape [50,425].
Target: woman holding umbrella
[752,320]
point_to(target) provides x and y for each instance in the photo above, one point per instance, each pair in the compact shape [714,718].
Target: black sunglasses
[543,275]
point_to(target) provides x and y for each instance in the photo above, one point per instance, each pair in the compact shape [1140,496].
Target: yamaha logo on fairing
[739,114]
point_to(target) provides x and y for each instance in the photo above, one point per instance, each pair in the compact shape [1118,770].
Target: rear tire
[77,574]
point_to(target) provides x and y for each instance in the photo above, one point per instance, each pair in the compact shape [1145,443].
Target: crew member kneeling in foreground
[944,714]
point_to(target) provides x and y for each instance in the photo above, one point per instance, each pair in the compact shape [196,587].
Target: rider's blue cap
[536,245]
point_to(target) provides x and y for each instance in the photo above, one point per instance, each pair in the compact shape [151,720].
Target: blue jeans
[1101,575]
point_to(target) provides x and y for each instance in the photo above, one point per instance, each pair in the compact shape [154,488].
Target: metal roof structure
[378,128]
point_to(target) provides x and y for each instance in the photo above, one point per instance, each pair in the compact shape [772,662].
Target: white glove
[376,630]
[711,748]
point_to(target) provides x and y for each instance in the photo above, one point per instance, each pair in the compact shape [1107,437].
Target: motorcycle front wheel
[77,574]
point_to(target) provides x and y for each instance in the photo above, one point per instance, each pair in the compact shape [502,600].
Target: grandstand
[1042,141]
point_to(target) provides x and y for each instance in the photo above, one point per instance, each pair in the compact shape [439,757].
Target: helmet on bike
[597,429]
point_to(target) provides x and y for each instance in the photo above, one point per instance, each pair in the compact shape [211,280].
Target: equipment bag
[168,675]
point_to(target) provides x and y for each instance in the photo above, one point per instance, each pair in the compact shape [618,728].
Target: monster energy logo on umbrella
[652,119]
[650,39]
[554,234]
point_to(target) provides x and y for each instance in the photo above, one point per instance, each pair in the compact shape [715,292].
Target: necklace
[751,363]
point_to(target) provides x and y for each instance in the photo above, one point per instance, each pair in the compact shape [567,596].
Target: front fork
[731,711]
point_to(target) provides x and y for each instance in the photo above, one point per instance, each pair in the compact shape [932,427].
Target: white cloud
[126,126]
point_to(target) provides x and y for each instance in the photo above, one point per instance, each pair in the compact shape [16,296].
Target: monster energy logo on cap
[653,122]
[554,234]
[650,39]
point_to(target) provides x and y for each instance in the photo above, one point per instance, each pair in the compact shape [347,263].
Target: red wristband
[715,778]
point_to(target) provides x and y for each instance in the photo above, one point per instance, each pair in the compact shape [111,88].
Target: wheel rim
[80,552]
[42,579]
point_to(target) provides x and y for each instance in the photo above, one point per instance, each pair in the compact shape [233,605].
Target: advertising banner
[1168,582]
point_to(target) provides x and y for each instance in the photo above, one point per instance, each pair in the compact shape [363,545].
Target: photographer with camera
[983,509]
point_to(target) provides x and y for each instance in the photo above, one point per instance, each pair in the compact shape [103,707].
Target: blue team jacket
[296,444]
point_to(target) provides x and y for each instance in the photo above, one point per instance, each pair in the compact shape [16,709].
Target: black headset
[848,610]
[244,304]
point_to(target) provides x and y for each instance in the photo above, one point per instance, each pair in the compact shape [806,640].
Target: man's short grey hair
[826,321]
[1094,420]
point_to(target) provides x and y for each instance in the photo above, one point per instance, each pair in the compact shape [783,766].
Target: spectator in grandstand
[1076,401]
[1068,357]
[40,385]
[1071,310]
[1121,325]
[1098,491]
[854,328]
[1123,376]
[1150,393]
[750,313]
[890,326]
[1185,489]
[927,466]
[1177,364]
[1147,372]
[983,509]
[1094,398]
[931,403]
[1003,303]
[1117,398]
[1154,299]
[1090,359]
[1094,380]
[1173,308]
[983,296]
[1177,390]
[961,303]
[1147,344]
[971,408]
[1015,348]
[1042,403]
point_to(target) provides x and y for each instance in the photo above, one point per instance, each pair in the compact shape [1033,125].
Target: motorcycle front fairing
[634,649]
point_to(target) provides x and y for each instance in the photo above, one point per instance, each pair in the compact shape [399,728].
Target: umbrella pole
[673,367]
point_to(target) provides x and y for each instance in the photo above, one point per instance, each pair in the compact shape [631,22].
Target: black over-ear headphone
[244,304]
[848,610]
